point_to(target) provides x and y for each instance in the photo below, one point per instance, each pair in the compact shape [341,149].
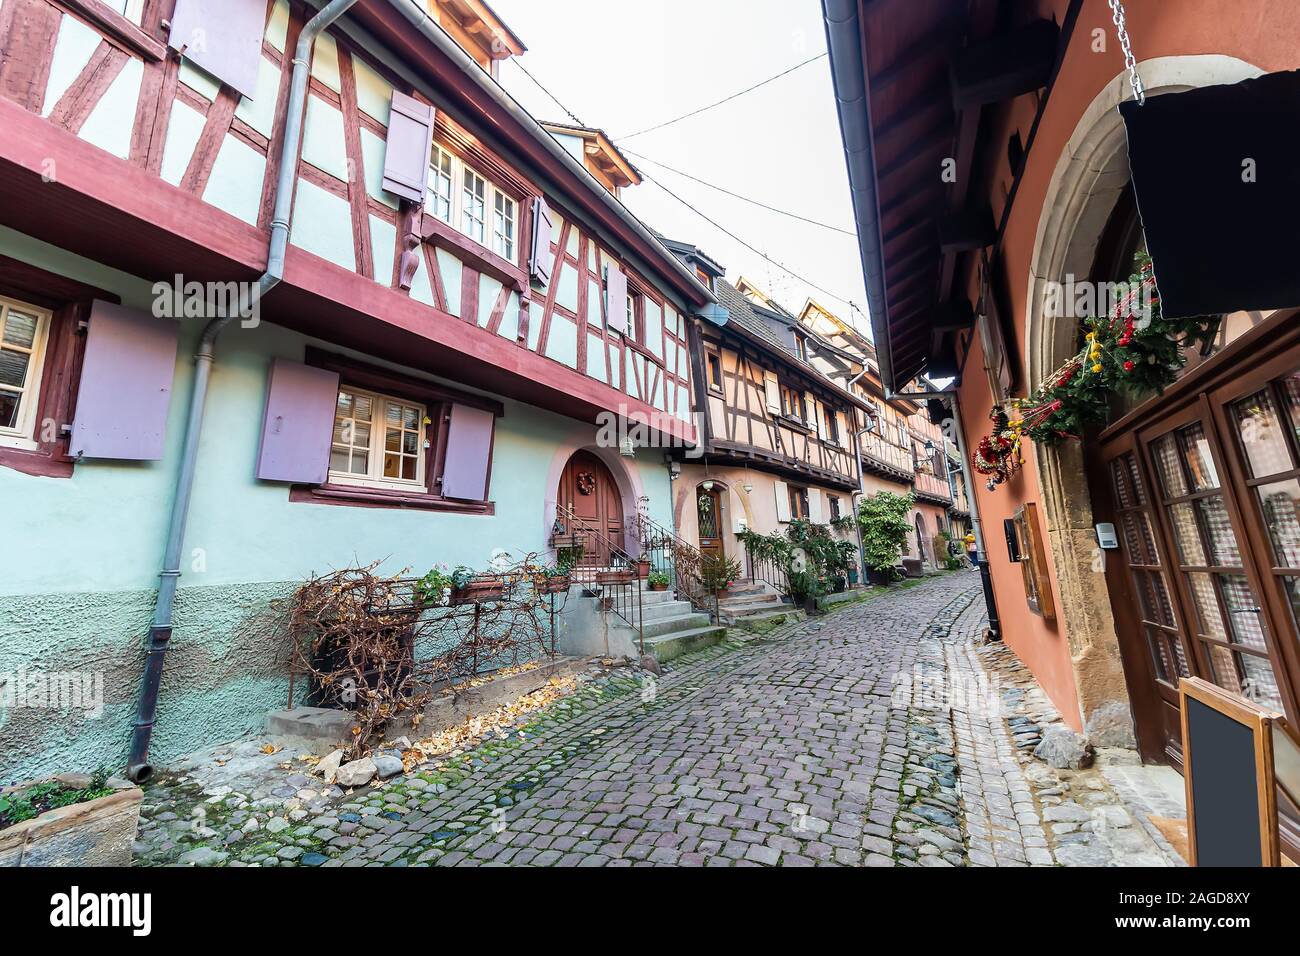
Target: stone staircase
[671,627]
[755,606]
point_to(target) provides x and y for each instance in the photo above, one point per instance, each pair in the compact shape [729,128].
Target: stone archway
[1089,177]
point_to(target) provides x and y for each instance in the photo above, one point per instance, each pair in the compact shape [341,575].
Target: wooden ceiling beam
[1005,66]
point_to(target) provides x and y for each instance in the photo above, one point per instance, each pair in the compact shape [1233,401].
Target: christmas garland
[1132,349]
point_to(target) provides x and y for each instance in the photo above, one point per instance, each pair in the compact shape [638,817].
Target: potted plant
[658,580]
[619,573]
[470,588]
[69,820]
[718,572]
[885,524]
[551,580]
[643,568]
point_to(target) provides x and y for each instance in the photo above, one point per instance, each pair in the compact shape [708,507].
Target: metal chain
[1130,62]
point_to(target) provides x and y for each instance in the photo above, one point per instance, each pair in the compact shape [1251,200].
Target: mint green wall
[81,555]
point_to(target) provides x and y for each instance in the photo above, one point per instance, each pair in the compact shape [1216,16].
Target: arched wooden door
[708,508]
[587,489]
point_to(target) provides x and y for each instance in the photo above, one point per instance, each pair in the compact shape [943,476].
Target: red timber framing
[68,192]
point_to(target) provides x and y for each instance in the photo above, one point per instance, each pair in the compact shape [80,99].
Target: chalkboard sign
[1228,773]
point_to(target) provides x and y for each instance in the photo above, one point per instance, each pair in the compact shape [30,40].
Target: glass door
[1224,614]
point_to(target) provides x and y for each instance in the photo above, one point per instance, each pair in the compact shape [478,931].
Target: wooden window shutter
[541,261]
[615,298]
[814,506]
[298,424]
[223,37]
[126,385]
[410,146]
[469,453]
[772,392]
[782,500]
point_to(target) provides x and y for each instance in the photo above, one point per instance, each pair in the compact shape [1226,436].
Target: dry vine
[382,647]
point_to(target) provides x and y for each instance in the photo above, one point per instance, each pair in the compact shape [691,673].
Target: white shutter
[782,500]
[814,506]
[846,437]
[772,390]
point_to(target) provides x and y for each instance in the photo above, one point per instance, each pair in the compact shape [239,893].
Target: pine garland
[1129,350]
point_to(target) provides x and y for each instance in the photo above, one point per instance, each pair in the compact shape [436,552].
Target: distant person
[971,551]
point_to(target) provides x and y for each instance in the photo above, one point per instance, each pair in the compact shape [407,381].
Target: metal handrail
[618,583]
[671,555]
[766,569]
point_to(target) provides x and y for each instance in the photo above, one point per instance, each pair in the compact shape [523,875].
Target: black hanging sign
[1216,172]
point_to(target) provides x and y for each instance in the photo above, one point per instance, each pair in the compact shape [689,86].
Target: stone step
[663,609]
[679,622]
[763,602]
[766,621]
[665,647]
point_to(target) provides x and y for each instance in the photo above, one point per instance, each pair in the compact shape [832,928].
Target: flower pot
[478,590]
[551,583]
[643,569]
[95,833]
[615,577]
[658,587]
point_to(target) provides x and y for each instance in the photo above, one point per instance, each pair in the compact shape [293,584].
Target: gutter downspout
[138,767]
[981,554]
[862,478]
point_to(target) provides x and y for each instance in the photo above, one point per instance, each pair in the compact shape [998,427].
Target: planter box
[551,585]
[96,833]
[488,589]
[615,577]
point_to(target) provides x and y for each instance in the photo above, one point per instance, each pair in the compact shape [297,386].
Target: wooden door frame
[1284,654]
[1145,699]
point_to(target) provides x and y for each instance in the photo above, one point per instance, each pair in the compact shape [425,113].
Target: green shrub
[885,522]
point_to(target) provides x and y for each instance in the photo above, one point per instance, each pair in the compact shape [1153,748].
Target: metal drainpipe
[138,768]
[862,482]
[981,555]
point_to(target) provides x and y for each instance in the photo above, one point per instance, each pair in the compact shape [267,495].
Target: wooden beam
[1004,66]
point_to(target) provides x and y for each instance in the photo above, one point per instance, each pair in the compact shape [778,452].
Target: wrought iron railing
[679,560]
[765,568]
[601,566]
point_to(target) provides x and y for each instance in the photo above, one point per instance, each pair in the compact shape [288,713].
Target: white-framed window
[441,179]
[379,441]
[465,200]
[503,225]
[473,206]
[23,333]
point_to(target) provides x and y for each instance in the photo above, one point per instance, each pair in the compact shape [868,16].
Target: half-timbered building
[776,434]
[398,306]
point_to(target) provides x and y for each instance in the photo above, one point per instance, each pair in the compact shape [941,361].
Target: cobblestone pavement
[868,737]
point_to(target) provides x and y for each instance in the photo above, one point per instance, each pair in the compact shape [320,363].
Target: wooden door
[588,490]
[708,508]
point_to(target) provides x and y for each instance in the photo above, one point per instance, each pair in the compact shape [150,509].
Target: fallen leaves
[496,722]
[271,749]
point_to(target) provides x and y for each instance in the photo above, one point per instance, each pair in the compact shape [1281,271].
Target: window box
[479,589]
[551,583]
[623,576]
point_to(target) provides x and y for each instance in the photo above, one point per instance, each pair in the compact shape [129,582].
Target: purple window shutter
[410,148]
[224,37]
[469,451]
[615,298]
[299,423]
[126,385]
[542,260]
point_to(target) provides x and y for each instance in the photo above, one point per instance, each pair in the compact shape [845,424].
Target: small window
[798,503]
[23,330]
[635,317]
[474,207]
[715,370]
[378,441]
[131,9]
[503,226]
[832,427]
[439,202]
[834,506]
[801,347]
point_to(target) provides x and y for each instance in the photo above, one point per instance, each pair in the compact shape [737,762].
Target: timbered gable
[459,241]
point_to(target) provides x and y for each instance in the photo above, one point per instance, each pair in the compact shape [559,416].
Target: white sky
[623,65]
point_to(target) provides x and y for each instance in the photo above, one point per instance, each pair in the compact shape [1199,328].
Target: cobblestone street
[872,736]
